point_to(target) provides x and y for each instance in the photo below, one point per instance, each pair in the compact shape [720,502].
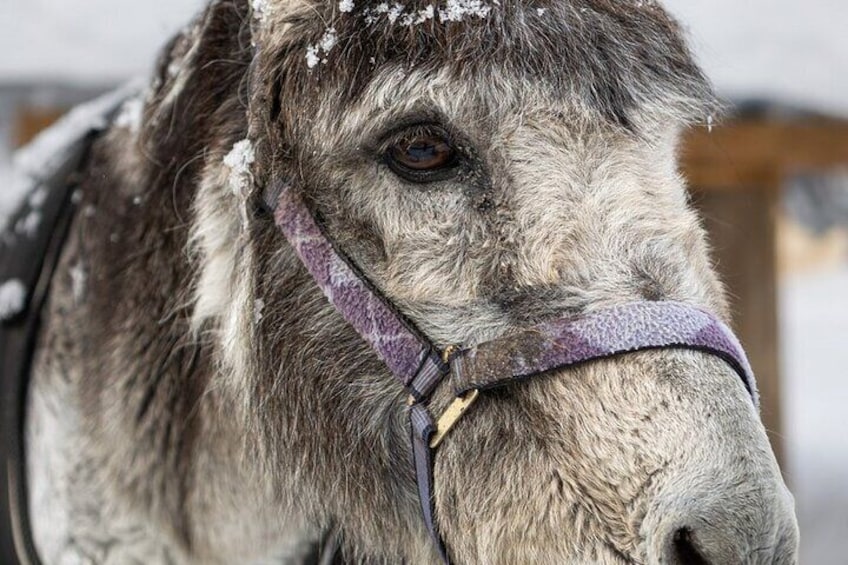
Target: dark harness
[30,248]
[416,362]
[28,257]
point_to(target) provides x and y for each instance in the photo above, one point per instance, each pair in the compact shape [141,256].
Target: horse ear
[202,61]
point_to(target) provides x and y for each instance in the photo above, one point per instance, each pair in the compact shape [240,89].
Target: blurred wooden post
[29,121]
[736,172]
[742,228]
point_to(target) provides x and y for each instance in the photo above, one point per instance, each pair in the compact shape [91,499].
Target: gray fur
[197,400]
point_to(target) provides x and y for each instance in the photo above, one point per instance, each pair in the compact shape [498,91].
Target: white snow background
[784,50]
[791,50]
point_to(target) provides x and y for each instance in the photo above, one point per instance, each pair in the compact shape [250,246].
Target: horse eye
[422,158]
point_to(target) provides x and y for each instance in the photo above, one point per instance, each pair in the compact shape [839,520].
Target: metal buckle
[448,353]
[452,415]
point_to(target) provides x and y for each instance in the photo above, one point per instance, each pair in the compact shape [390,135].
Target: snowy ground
[791,51]
[814,313]
[90,41]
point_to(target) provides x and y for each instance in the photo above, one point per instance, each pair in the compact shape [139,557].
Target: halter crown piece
[420,366]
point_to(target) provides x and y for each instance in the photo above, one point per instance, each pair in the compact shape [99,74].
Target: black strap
[29,252]
[17,343]
[30,257]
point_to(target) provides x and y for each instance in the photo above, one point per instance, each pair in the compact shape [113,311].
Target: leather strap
[636,326]
[31,260]
[30,248]
[401,346]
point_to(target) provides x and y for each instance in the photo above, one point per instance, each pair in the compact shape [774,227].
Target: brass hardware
[446,354]
[452,415]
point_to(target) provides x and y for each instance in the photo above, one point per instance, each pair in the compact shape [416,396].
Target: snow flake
[327,42]
[260,9]
[239,160]
[395,12]
[427,13]
[174,68]
[38,197]
[541,11]
[456,10]
[12,298]
[28,225]
[130,115]
[312,58]
[79,278]
[258,308]
[346,6]
[372,14]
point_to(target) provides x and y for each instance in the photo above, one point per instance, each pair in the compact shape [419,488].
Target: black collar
[30,248]
[28,255]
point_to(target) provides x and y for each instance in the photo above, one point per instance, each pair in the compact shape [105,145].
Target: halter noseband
[420,366]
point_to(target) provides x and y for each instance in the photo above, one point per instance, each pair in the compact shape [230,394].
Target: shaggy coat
[196,399]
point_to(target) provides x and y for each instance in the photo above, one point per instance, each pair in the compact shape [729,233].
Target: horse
[482,168]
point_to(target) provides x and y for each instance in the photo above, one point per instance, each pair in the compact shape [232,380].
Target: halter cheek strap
[408,354]
[420,366]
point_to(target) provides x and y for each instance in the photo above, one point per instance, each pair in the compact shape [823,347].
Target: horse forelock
[613,58]
[290,75]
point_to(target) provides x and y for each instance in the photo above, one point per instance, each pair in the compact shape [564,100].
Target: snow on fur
[318,53]
[239,160]
[457,10]
[453,11]
[130,115]
[31,163]
[12,298]
[28,225]
[260,9]
[79,278]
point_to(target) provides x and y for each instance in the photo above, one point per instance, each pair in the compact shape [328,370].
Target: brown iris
[422,158]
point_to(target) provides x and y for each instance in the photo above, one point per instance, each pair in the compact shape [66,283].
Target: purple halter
[420,366]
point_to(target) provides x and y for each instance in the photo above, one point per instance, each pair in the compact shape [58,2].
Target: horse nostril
[683,549]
